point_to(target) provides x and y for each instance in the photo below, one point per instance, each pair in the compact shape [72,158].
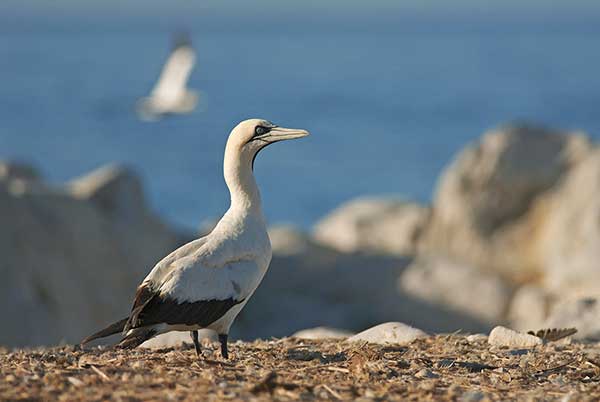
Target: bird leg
[194,335]
[223,340]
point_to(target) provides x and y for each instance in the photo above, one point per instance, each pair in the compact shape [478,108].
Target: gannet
[205,283]
[170,94]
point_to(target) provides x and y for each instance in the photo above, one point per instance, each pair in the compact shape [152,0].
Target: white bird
[170,94]
[205,283]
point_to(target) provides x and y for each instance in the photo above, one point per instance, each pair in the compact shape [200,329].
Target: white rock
[528,308]
[389,333]
[481,211]
[287,240]
[582,313]
[68,267]
[322,333]
[373,225]
[570,239]
[444,282]
[501,336]
[115,189]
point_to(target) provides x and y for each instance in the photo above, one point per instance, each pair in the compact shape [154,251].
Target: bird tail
[136,337]
[146,111]
[114,328]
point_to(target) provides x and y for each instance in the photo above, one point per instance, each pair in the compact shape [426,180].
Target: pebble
[502,336]
[389,332]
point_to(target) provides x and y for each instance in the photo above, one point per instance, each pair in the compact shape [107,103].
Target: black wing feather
[151,308]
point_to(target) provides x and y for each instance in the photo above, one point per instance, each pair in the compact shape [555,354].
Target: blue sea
[387,107]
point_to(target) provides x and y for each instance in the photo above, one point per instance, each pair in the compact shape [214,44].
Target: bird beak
[281,133]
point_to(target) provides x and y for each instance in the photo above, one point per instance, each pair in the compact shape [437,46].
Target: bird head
[251,136]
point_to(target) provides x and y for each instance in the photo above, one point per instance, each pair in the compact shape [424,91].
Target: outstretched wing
[174,76]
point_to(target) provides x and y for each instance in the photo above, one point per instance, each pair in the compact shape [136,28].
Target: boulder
[322,333]
[389,333]
[501,336]
[288,240]
[373,225]
[569,242]
[483,202]
[114,189]
[529,308]
[69,267]
[454,285]
[580,313]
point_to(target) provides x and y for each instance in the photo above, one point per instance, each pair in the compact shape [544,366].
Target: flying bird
[205,283]
[170,94]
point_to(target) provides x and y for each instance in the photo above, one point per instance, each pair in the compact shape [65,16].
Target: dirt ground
[438,368]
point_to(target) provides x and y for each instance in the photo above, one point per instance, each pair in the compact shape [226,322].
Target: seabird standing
[205,283]
[170,94]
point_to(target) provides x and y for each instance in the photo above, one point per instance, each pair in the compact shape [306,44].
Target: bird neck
[245,197]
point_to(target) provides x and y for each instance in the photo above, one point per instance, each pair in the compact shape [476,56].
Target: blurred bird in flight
[170,94]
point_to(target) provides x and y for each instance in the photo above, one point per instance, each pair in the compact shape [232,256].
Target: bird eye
[260,130]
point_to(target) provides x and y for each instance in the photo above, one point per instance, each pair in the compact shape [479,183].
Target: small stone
[501,336]
[389,332]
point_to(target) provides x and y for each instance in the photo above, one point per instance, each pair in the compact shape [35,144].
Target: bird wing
[187,292]
[151,307]
[173,78]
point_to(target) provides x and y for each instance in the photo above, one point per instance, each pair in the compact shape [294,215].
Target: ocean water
[387,109]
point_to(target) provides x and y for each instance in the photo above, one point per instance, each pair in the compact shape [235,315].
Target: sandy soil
[438,368]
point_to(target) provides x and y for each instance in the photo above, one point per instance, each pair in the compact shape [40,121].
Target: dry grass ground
[437,368]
